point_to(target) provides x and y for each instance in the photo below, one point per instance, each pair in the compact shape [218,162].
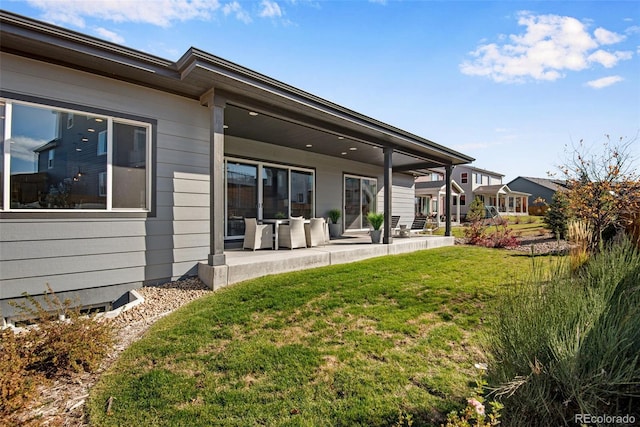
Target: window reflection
[301,194]
[54,164]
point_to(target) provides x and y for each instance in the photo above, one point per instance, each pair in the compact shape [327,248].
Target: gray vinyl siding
[536,190]
[98,257]
[403,194]
[119,253]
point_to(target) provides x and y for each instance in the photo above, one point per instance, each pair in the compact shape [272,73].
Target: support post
[216,105]
[388,194]
[447,202]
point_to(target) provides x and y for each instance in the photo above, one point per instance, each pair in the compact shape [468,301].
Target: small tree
[475,230]
[556,217]
[603,188]
[476,210]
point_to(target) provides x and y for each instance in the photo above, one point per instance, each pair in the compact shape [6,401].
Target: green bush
[556,217]
[375,219]
[570,343]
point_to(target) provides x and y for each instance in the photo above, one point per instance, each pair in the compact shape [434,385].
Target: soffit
[289,116]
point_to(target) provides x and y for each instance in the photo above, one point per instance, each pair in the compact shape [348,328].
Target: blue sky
[509,83]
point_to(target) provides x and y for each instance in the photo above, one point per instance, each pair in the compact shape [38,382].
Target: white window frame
[8,117]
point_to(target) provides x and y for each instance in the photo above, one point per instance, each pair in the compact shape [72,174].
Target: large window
[61,159]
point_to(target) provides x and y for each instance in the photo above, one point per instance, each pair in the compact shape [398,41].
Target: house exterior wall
[536,190]
[97,257]
[486,178]
[110,254]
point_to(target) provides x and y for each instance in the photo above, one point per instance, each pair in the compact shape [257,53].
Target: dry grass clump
[581,235]
[62,343]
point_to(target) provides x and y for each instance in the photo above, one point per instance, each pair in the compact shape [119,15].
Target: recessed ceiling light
[98,120]
[225,126]
[91,130]
[309,145]
[344,153]
[85,139]
[352,148]
[253,113]
[341,137]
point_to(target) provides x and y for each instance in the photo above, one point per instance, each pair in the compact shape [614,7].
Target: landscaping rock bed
[61,403]
[542,245]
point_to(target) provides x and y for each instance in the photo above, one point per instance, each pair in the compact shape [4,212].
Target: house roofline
[195,73]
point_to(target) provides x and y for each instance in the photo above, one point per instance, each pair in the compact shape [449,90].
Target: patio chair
[418,225]
[395,219]
[292,235]
[257,236]
[315,232]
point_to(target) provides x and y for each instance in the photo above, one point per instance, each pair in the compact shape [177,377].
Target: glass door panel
[242,196]
[352,209]
[275,192]
[301,194]
[368,201]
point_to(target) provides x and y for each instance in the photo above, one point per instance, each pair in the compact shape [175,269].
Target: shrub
[564,344]
[16,386]
[62,342]
[556,218]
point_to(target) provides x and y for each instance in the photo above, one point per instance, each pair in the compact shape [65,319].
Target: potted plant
[334,226]
[376,220]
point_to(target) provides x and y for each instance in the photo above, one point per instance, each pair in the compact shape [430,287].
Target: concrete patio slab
[244,265]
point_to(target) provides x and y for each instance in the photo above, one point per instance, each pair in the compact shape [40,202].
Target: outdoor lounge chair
[257,236]
[292,235]
[315,232]
[418,225]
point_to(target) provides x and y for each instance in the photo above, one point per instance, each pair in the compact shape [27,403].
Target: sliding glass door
[360,198]
[302,193]
[266,191]
[242,196]
[275,192]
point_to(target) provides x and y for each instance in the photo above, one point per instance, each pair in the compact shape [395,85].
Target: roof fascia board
[196,59]
[72,40]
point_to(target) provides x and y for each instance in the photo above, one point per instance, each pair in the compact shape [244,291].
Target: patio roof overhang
[287,116]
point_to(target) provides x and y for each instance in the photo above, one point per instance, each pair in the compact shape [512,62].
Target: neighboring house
[538,188]
[488,186]
[430,198]
[121,168]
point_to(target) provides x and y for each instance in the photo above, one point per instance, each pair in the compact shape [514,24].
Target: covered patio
[279,152]
[430,199]
[505,200]
[244,265]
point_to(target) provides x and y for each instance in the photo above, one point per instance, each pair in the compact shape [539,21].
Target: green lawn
[354,344]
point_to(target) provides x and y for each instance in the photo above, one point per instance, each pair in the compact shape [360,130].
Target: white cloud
[109,35]
[604,82]
[608,59]
[607,37]
[161,12]
[550,46]
[634,29]
[270,9]
[236,9]
[22,147]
